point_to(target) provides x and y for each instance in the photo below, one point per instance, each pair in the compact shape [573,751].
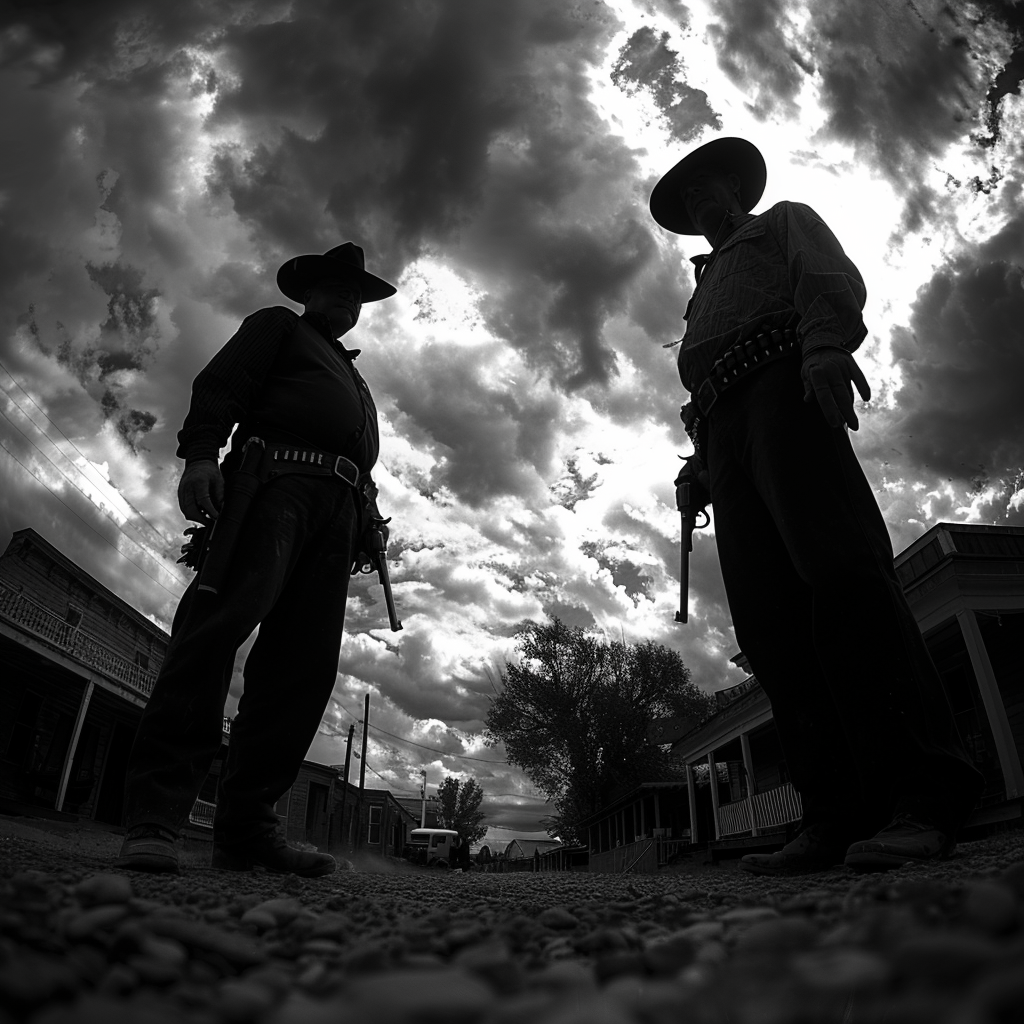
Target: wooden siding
[31,566]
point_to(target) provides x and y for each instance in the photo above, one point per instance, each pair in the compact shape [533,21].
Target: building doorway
[316,814]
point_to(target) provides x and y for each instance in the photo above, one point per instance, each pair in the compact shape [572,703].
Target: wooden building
[965,585]
[77,665]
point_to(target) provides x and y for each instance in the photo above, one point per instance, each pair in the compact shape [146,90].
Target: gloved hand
[201,491]
[829,375]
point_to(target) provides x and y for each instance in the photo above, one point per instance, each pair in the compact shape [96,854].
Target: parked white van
[434,847]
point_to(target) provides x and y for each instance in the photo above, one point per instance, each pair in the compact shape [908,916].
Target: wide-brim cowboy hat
[342,263]
[734,156]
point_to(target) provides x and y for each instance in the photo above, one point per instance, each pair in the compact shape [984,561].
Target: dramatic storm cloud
[494,158]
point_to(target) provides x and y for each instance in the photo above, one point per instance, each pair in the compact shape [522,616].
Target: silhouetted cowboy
[287,381]
[865,724]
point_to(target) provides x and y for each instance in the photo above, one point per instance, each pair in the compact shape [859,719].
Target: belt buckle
[339,461]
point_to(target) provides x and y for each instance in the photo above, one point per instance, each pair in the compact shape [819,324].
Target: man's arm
[829,294]
[221,395]
[828,290]
[227,385]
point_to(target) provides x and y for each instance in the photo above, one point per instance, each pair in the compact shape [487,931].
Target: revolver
[376,546]
[692,495]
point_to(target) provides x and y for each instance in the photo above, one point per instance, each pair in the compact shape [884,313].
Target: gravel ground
[80,943]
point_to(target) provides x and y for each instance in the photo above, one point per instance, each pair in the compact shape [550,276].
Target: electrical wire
[88,462]
[154,554]
[131,540]
[423,746]
[77,516]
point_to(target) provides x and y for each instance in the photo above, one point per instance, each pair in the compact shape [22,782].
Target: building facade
[78,666]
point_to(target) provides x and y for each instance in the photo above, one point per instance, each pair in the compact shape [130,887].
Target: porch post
[748,767]
[657,808]
[691,797]
[65,775]
[995,710]
[713,783]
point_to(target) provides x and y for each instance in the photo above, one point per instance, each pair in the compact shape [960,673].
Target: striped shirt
[782,268]
[284,378]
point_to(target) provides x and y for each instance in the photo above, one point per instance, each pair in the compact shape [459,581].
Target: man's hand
[201,491]
[829,375]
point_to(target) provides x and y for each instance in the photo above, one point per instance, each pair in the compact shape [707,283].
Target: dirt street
[81,943]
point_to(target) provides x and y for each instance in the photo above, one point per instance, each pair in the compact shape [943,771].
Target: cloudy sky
[494,158]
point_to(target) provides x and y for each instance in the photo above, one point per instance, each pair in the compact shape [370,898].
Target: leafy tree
[573,714]
[458,807]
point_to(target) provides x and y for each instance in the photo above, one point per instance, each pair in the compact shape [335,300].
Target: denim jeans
[289,576]
[864,721]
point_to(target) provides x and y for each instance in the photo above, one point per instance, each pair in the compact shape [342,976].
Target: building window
[281,807]
[73,616]
[142,660]
[373,833]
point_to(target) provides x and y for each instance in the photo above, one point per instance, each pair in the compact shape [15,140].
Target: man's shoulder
[272,314]
[267,323]
[788,209]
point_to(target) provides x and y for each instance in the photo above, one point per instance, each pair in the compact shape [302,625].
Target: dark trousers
[860,709]
[289,576]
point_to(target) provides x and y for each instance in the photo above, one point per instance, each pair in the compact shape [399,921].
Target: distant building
[77,665]
[527,849]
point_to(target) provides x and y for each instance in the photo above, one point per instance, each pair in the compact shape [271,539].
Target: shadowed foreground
[78,943]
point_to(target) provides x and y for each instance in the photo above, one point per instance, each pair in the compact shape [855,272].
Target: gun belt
[282,458]
[742,359]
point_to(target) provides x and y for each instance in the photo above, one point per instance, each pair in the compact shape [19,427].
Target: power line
[340,735]
[88,462]
[153,554]
[74,513]
[436,750]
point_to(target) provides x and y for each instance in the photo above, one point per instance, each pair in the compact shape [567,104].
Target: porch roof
[629,797]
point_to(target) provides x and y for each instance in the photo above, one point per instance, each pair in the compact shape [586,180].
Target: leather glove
[201,491]
[829,375]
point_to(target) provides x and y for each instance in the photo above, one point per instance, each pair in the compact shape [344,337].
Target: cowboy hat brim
[302,272]
[732,155]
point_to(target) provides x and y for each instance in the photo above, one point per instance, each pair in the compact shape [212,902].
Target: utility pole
[423,802]
[344,781]
[362,770]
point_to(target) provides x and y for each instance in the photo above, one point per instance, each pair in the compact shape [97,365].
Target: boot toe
[148,850]
[271,853]
[904,841]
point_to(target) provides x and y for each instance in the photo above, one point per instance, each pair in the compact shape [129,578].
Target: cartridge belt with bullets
[741,359]
[736,362]
[280,459]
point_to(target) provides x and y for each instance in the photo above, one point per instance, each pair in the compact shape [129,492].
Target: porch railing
[668,848]
[733,818]
[777,806]
[42,622]
[640,858]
